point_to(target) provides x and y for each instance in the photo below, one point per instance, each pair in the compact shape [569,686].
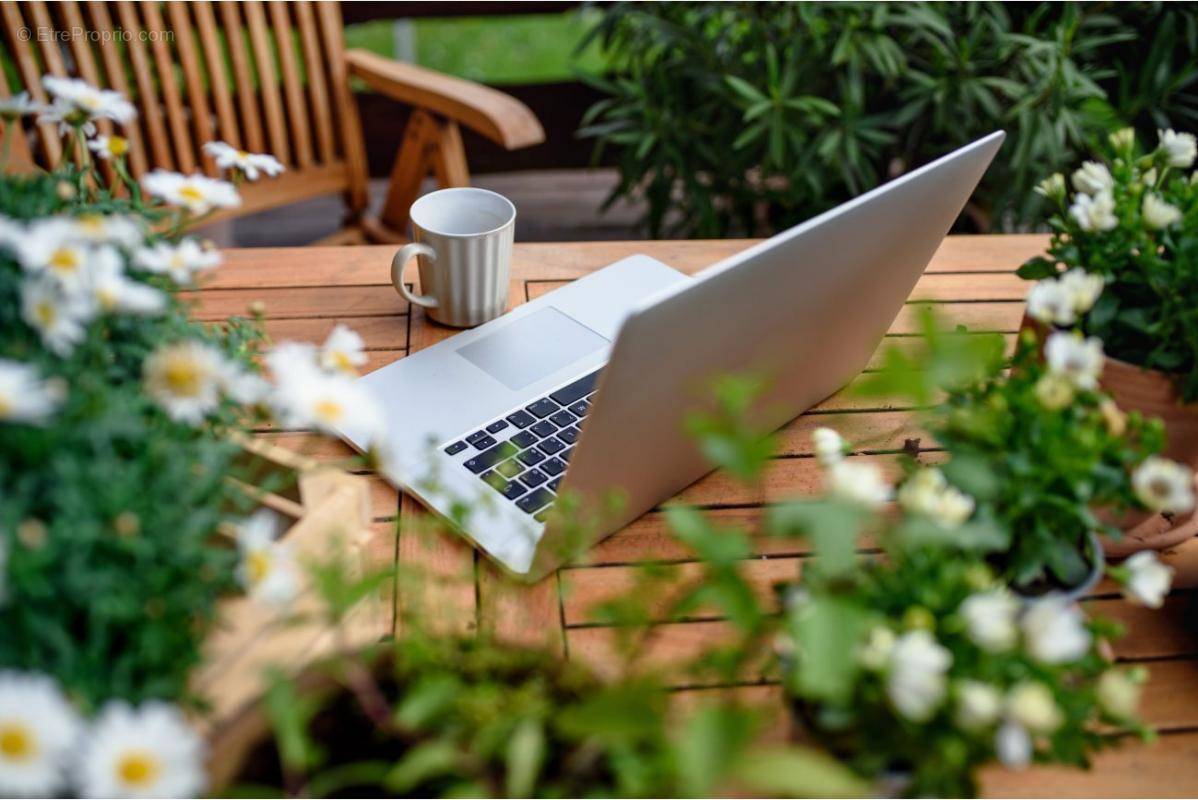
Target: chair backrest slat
[247,98]
[185,155]
[147,97]
[13,136]
[114,68]
[193,79]
[318,92]
[31,75]
[329,17]
[218,81]
[268,81]
[292,93]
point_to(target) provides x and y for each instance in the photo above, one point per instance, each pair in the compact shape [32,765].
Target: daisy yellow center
[342,362]
[1160,487]
[16,742]
[329,410]
[177,261]
[243,155]
[45,313]
[118,145]
[191,194]
[6,406]
[138,768]
[92,223]
[257,566]
[64,259]
[106,298]
[183,377]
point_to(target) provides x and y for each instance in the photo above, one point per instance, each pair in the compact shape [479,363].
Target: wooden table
[307,291]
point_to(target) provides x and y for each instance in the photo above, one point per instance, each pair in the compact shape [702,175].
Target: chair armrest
[498,116]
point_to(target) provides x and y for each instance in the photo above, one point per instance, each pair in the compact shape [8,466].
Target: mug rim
[454,189]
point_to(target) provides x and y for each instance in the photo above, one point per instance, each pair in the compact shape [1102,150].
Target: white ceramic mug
[463,244]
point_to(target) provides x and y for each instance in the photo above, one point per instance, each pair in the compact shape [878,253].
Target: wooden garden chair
[265,77]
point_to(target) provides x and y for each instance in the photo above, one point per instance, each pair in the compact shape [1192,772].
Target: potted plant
[919,666]
[1121,267]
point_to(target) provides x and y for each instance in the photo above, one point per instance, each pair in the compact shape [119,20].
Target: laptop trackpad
[532,347]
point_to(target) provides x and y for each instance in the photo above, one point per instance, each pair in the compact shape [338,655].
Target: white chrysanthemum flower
[929,494]
[1052,187]
[342,351]
[227,156]
[991,619]
[1079,360]
[1054,391]
[113,291]
[38,730]
[198,193]
[1054,631]
[829,447]
[59,317]
[78,103]
[916,683]
[858,482]
[1032,705]
[290,360]
[979,705]
[149,751]
[1180,148]
[1148,580]
[1095,213]
[874,654]
[1164,485]
[1049,302]
[267,570]
[17,106]
[24,396]
[1119,692]
[11,234]
[180,261]
[51,247]
[245,387]
[1013,745]
[1158,214]
[117,229]
[107,148]
[185,379]
[328,402]
[1092,178]
[1082,288]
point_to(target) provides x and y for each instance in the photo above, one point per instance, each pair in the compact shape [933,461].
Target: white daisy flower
[1052,187]
[1079,360]
[929,494]
[1054,631]
[227,156]
[198,193]
[1119,692]
[50,247]
[1031,704]
[342,351]
[59,317]
[78,103]
[1092,178]
[180,261]
[11,234]
[1095,213]
[1013,745]
[991,619]
[149,751]
[38,731]
[1148,580]
[117,229]
[24,397]
[185,379]
[1054,391]
[874,654]
[1164,485]
[858,482]
[328,402]
[113,291]
[1180,148]
[1158,214]
[916,683]
[978,705]
[17,106]
[829,447]
[109,147]
[1082,288]
[1049,302]
[245,387]
[267,569]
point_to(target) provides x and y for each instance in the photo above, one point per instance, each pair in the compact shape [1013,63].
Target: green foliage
[1148,311]
[739,118]
[108,512]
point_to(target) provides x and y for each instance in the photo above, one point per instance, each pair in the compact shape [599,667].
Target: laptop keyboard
[524,455]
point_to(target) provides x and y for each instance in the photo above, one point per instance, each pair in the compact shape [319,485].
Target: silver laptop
[581,395]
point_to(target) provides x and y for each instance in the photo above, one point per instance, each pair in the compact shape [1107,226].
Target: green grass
[532,48]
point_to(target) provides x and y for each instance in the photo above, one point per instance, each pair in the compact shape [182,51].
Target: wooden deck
[307,291]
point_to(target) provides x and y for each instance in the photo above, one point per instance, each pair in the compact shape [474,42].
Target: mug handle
[398,264]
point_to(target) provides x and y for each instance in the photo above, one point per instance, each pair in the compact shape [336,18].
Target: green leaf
[422,762]
[799,772]
[1037,268]
[831,526]
[525,756]
[828,631]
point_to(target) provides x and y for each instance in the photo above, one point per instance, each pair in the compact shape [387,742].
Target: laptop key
[542,408]
[530,457]
[455,448]
[496,426]
[484,443]
[544,428]
[488,458]
[521,419]
[533,478]
[535,501]
[562,419]
[494,480]
[477,436]
[565,454]
[553,466]
[510,468]
[553,484]
[513,490]
[524,439]
[580,408]
[568,435]
[577,390]
[551,446]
